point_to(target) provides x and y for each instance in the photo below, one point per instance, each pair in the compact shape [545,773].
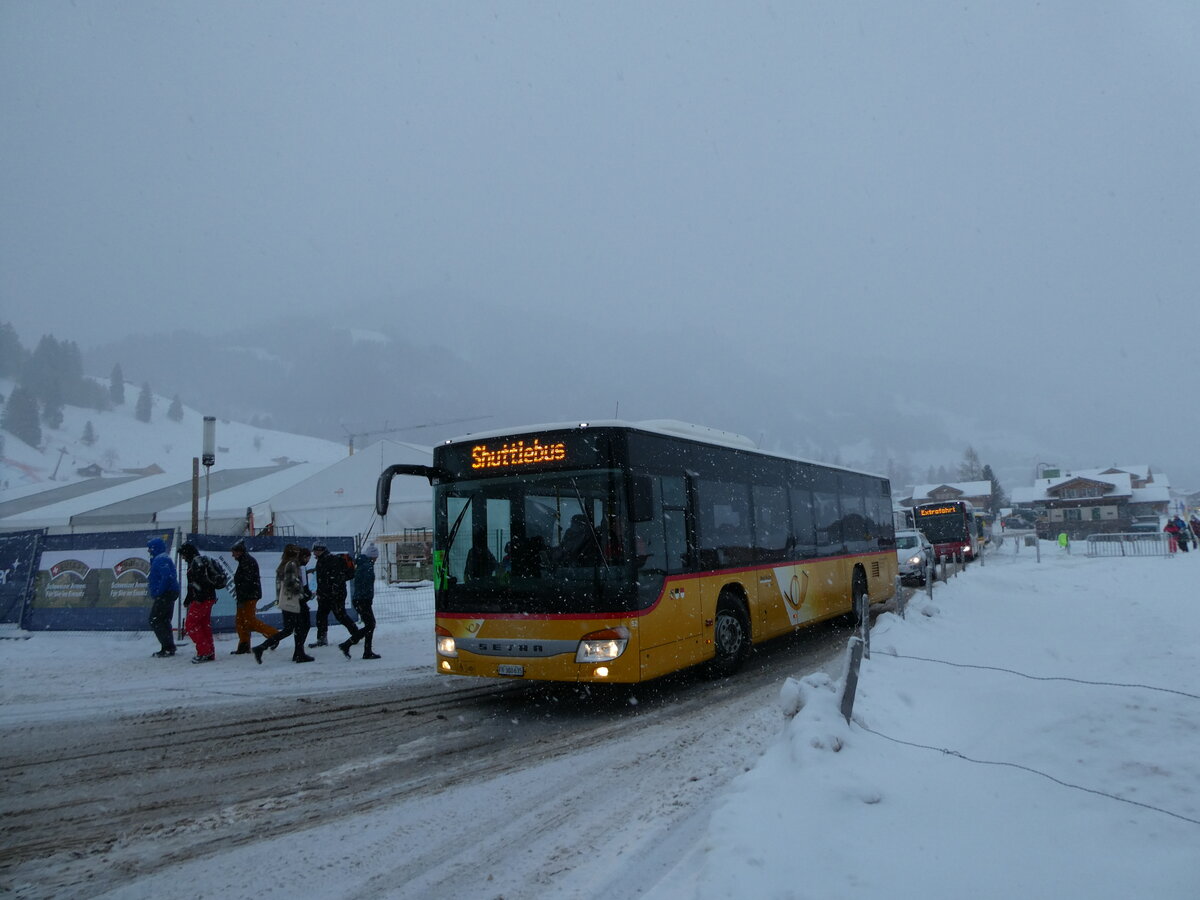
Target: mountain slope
[123,442]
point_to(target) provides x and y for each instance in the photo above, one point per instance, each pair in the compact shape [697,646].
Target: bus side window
[772,526]
[804,529]
[828,514]
[854,519]
[723,524]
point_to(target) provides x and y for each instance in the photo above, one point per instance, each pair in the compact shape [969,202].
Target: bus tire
[731,636]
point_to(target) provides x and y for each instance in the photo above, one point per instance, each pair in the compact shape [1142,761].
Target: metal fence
[396,604]
[1129,544]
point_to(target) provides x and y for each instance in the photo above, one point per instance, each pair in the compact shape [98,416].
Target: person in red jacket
[1172,531]
[199,601]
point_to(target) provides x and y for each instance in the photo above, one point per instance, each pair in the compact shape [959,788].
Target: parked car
[914,557]
[1019,521]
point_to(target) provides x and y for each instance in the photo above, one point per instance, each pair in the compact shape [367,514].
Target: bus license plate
[510,670]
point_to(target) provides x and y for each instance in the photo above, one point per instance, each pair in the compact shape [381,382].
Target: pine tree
[116,385]
[999,499]
[12,354]
[89,434]
[175,413]
[20,416]
[145,403]
[52,404]
[42,366]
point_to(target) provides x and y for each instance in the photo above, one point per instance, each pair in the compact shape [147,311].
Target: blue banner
[18,563]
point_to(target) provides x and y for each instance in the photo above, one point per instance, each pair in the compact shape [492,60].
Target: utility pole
[62,451]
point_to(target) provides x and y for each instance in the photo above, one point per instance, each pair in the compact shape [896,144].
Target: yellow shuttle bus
[620,552]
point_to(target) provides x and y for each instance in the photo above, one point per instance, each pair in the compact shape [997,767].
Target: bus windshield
[543,543]
[945,528]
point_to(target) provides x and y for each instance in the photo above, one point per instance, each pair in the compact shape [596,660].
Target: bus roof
[666,427]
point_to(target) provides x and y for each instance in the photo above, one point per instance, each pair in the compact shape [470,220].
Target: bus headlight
[445,642]
[602,646]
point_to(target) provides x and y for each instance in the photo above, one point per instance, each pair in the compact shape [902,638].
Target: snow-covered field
[1031,731]
[122,442]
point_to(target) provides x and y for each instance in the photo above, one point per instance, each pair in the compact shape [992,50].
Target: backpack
[213,572]
[348,560]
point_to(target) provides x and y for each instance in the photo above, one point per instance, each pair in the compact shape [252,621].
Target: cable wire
[1011,765]
[1146,687]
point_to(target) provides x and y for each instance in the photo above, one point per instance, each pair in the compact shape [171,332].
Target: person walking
[332,575]
[362,597]
[163,587]
[1183,533]
[247,591]
[293,592]
[1172,531]
[199,601]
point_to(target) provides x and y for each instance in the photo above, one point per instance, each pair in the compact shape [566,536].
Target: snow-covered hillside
[122,443]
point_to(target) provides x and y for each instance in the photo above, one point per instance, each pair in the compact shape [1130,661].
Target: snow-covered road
[225,777]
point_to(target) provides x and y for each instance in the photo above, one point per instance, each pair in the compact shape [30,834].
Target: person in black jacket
[363,598]
[247,591]
[332,574]
[200,598]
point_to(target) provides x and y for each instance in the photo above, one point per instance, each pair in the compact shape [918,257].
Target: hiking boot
[258,652]
[319,642]
[305,658]
[203,659]
[163,654]
[241,648]
[369,655]
[345,646]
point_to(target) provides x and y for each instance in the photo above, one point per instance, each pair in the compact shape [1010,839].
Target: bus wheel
[731,637]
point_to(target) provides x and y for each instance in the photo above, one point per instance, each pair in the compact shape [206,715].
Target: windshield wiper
[457,522]
[591,527]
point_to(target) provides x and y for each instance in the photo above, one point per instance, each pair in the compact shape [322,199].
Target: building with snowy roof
[1095,501]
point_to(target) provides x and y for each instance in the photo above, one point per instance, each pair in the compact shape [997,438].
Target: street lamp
[208,458]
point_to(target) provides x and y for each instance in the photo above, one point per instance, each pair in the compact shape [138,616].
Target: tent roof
[143,507]
[35,496]
[233,501]
[341,498]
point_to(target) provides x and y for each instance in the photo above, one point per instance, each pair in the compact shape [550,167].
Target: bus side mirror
[641,498]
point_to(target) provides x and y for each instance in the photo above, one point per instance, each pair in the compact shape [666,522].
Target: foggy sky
[1000,200]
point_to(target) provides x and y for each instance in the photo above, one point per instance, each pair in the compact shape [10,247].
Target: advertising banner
[91,582]
[97,582]
[18,555]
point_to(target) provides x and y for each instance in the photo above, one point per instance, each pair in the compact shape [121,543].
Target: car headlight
[602,646]
[914,560]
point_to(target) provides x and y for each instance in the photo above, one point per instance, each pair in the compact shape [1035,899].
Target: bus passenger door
[665,543]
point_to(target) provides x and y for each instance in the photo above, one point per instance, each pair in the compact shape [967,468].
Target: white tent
[228,511]
[340,499]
